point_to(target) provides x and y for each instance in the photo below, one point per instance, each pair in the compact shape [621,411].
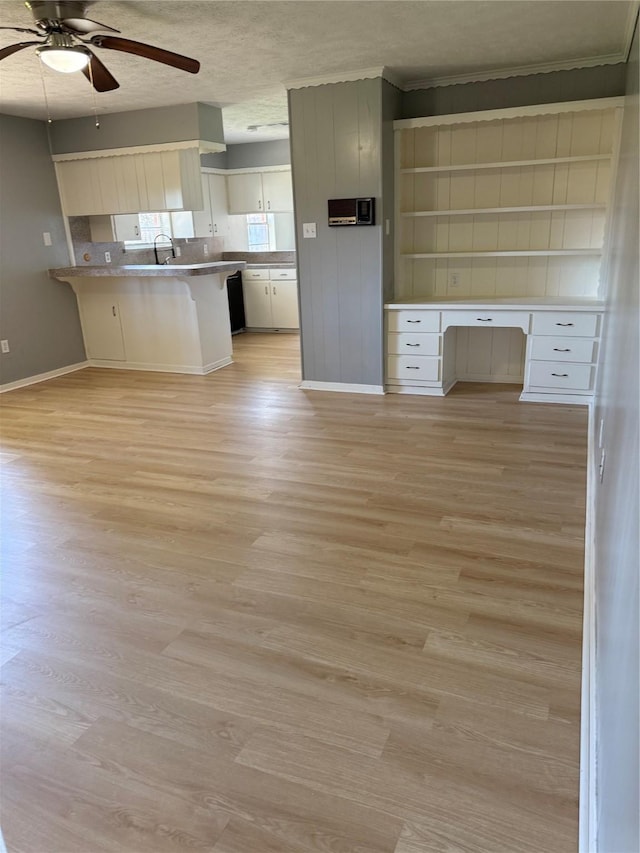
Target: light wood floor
[244,618]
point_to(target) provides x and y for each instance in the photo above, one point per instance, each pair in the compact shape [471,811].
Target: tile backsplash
[88,252]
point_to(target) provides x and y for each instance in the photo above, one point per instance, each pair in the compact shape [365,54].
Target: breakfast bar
[172,318]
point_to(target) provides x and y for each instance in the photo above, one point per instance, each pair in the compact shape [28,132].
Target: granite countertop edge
[147,270]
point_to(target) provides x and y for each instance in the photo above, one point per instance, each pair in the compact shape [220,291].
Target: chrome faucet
[155,248]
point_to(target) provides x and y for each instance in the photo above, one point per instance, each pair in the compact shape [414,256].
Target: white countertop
[537,303]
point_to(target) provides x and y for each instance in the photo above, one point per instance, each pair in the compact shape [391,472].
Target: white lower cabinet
[560,360]
[270,299]
[101,326]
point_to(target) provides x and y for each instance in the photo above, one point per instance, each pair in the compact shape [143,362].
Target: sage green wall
[617,545]
[603,81]
[38,316]
[179,123]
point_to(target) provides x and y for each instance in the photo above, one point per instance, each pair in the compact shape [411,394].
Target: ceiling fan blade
[103,80]
[14,48]
[85,25]
[23,30]
[147,51]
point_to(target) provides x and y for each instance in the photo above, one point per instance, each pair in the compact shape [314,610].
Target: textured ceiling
[249,48]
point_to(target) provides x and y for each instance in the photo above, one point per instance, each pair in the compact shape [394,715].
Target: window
[139,230]
[152,224]
[260,235]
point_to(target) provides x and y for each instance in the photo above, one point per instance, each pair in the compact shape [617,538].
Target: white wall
[616,515]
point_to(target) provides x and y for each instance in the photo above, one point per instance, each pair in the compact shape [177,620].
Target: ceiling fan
[66,33]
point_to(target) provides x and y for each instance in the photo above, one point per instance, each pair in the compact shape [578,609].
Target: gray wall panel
[336,153]
[617,510]
[39,316]
[391,109]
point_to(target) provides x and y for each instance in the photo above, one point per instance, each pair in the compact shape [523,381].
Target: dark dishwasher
[236,303]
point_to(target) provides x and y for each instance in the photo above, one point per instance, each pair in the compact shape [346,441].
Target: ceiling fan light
[65,59]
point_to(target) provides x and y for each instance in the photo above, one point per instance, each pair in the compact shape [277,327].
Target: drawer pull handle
[484,319]
[412,345]
[414,321]
[411,367]
[564,324]
[557,349]
[561,375]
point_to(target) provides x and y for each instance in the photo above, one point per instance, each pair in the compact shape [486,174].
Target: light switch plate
[308,229]
[46,236]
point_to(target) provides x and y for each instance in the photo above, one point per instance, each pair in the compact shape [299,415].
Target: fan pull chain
[95,101]
[44,89]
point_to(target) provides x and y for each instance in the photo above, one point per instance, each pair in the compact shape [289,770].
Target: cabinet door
[257,304]
[78,194]
[126,226]
[284,304]
[278,191]
[245,193]
[101,327]
[202,220]
[219,205]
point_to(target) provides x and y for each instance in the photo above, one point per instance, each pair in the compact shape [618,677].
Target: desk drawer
[559,376]
[487,319]
[581,325]
[413,321]
[409,367]
[412,343]
[562,349]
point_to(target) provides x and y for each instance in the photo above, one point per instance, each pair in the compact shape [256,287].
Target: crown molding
[519,71]
[203,146]
[345,77]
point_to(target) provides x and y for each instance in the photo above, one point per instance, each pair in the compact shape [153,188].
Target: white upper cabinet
[260,192]
[212,220]
[131,183]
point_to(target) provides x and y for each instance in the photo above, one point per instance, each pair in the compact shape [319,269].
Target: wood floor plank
[239,617]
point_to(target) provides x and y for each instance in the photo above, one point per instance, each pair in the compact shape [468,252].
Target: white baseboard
[42,377]
[567,399]
[341,386]
[588,733]
[501,378]
[192,370]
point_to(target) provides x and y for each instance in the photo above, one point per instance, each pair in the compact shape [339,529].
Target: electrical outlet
[107,257]
[454,279]
[178,252]
[205,249]
[46,236]
[4,345]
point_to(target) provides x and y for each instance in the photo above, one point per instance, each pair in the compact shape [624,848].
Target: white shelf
[506,164]
[526,253]
[475,211]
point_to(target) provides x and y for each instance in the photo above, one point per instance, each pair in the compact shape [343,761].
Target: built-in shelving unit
[504,203]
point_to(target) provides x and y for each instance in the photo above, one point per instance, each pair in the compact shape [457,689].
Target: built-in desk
[561,353]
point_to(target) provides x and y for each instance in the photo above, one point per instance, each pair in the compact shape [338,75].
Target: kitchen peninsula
[172,318]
